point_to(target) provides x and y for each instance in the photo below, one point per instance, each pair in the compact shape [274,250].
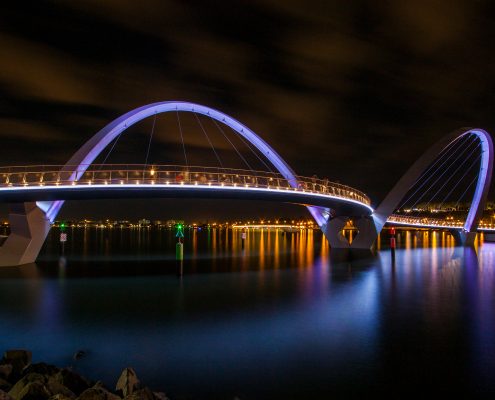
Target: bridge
[103,181]
[36,193]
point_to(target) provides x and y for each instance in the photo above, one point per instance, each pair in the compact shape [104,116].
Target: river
[275,317]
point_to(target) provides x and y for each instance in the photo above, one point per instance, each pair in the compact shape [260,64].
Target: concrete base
[29,228]
[465,239]
[333,232]
[367,234]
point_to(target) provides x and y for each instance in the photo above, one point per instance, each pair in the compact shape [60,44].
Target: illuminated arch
[94,146]
[391,202]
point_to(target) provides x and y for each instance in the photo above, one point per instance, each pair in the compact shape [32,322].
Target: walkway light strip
[181,186]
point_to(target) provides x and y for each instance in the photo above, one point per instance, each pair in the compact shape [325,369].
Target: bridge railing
[113,174]
[425,221]
[436,222]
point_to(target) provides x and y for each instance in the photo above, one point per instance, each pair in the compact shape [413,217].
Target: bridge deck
[38,183]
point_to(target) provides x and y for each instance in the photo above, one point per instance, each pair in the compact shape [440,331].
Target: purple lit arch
[388,206]
[94,146]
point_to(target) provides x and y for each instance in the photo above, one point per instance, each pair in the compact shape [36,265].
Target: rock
[160,396]
[128,382]
[19,359]
[56,388]
[59,397]
[5,385]
[98,392]
[20,385]
[33,391]
[141,394]
[5,396]
[74,382]
[41,368]
[5,371]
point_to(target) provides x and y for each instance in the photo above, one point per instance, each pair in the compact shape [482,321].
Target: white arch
[94,146]
[391,202]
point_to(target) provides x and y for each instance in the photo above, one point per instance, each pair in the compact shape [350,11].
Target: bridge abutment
[29,227]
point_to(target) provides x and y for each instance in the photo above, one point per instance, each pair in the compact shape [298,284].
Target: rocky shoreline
[22,380]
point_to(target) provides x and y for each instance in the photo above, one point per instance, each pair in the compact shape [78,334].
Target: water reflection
[279,312]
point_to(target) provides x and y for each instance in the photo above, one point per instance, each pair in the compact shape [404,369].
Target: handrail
[414,220]
[46,175]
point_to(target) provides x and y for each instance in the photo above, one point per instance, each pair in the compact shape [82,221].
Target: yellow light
[152,172]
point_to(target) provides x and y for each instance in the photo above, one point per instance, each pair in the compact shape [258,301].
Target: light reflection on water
[278,317]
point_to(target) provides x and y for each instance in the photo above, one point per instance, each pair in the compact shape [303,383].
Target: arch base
[333,232]
[465,239]
[367,234]
[29,227]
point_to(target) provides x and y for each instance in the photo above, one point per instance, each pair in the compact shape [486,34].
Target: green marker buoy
[179,251]
[63,236]
[179,247]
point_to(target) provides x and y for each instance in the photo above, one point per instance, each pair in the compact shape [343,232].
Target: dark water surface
[277,319]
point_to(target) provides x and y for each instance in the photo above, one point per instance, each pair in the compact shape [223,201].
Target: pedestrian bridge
[37,193]
[435,223]
[104,181]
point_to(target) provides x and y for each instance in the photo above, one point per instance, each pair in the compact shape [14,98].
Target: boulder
[141,394]
[20,385]
[160,396]
[5,396]
[41,368]
[56,388]
[33,391]
[98,392]
[5,371]
[5,385]
[19,359]
[74,382]
[59,397]
[127,383]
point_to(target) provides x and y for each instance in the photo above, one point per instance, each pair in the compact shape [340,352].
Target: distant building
[144,222]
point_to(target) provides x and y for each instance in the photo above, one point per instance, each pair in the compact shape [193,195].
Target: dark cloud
[350,90]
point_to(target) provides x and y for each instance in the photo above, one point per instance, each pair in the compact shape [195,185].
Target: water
[277,319]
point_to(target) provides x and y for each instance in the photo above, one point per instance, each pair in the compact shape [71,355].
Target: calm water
[277,319]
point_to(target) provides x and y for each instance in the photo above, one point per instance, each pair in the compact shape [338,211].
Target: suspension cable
[149,143]
[463,194]
[432,175]
[209,141]
[445,171]
[246,143]
[451,176]
[110,151]
[460,180]
[181,136]
[226,137]
[439,158]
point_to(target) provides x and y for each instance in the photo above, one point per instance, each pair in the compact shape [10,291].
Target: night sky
[351,90]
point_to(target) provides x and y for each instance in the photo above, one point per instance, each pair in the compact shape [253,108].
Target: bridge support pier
[367,234]
[333,232]
[29,227]
[465,239]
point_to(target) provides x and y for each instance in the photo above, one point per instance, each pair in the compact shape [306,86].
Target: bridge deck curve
[49,183]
